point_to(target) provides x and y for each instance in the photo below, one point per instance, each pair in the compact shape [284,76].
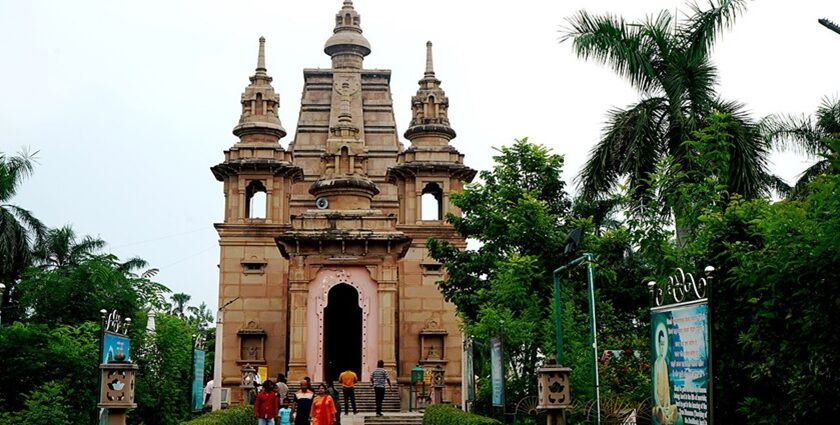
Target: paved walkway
[360,418]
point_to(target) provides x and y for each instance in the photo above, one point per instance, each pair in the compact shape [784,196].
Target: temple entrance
[342,332]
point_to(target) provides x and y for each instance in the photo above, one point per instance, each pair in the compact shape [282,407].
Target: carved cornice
[413,169]
[267,165]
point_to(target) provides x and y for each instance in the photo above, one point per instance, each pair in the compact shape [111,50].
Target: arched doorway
[342,332]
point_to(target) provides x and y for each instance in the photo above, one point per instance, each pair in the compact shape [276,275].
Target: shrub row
[237,415]
[446,414]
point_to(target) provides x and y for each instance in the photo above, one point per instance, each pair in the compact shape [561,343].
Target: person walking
[348,381]
[265,404]
[282,387]
[336,400]
[323,408]
[303,403]
[379,376]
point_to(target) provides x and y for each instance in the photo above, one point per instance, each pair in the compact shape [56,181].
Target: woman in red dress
[323,408]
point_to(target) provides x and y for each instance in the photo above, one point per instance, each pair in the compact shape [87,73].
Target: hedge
[446,414]
[237,415]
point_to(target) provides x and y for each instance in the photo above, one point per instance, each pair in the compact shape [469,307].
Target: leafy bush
[445,414]
[46,405]
[239,415]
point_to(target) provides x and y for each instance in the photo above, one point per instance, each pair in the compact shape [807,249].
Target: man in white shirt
[208,391]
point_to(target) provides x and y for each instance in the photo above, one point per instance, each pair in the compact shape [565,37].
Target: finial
[261,57]
[430,69]
[348,3]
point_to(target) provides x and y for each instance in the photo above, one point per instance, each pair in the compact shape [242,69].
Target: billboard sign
[115,348]
[680,374]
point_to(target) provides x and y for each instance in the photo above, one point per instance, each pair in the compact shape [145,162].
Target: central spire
[347,47]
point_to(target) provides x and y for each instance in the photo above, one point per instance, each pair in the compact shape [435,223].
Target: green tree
[518,209]
[163,384]
[669,63]
[179,304]
[19,229]
[46,405]
[76,293]
[520,216]
[60,248]
[810,135]
[63,357]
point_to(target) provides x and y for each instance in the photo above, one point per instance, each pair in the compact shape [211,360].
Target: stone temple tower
[334,273]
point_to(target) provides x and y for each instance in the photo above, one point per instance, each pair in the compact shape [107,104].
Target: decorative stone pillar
[299,294]
[387,292]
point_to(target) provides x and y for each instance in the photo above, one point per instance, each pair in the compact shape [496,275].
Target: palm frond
[702,28]
[748,173]
[786,132]
[778,186]
[828,117]
[27,220]
[12,172]
[613,42]
[810,174]
[132,264]
[630,146]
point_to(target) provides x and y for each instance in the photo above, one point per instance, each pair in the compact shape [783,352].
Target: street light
[572,240]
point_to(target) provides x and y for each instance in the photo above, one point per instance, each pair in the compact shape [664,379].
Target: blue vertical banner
[680,372]
[198,380]
[496,377]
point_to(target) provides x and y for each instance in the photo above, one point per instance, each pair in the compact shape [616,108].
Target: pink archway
[319,289]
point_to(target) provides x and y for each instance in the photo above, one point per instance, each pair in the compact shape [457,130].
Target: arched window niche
[431,202]
[255,200]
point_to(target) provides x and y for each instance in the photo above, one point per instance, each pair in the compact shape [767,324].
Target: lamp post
[558,330]
[217,358]
[2,291]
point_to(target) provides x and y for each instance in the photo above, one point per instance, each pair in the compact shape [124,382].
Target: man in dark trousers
[348,380]
[379,377]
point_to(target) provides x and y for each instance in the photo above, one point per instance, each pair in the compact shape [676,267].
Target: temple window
[255,200]
[344,164]
[258,107]
[431,202]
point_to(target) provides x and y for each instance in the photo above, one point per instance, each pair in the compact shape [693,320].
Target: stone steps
[365,397]
[405,419]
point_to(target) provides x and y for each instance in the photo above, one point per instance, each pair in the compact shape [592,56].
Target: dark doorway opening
[342,332]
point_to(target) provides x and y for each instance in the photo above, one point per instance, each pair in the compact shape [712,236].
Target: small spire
[430,69]
[261,58]
[348,3]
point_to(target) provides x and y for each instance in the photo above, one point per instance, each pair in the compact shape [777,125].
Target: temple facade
[323,244]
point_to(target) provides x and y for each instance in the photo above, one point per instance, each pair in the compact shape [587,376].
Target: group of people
[272,405]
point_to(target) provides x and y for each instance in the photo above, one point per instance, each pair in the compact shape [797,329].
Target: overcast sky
[130,103]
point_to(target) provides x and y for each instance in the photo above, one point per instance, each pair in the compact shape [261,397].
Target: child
[285,413]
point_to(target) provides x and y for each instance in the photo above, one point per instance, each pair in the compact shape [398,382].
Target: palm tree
[814,136]
[19,229]
[60,248]
[180,301]
[668,62]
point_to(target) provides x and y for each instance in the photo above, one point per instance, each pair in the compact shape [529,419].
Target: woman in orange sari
[323,408]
